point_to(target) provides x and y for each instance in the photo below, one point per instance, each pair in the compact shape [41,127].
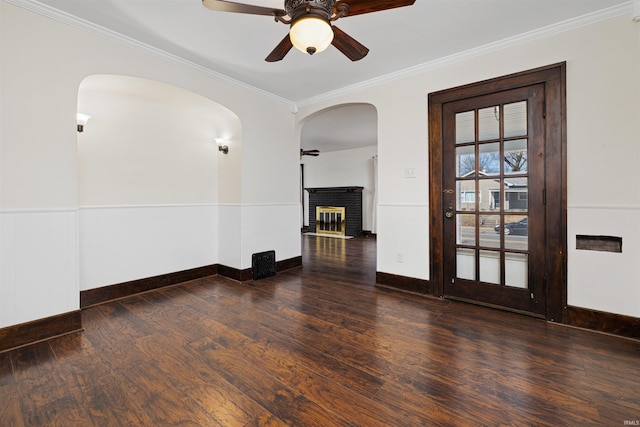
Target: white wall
[38,264]
[344,168]
[603,128]
[42,66]
[119,244]
[148,143]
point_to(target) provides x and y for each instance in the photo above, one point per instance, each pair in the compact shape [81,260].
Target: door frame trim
[554,79]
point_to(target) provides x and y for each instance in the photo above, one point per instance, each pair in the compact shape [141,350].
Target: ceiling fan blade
[228,6]
[358,7]
[309,152]
[281,50]
[349,46]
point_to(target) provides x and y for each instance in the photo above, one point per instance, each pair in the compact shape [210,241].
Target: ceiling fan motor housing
[296,8]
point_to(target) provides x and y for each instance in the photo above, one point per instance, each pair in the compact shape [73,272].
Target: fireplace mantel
[335,189]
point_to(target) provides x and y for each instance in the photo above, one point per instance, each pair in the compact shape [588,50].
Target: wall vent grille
[263,264]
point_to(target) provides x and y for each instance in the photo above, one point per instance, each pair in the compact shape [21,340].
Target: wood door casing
[555,235]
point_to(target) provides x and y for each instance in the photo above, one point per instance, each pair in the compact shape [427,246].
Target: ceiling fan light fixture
[311,34]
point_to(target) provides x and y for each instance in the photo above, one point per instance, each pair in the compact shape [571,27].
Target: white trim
[636,10]
[403,205]
[38,210]
[82,24]
[540,33]
[186,205]
[610,207]
[189,205]
[260,205]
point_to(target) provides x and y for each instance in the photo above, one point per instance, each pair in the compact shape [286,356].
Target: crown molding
[631,7]
[84,25]
[560,27]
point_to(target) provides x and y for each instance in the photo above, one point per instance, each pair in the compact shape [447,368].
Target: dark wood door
[493,199]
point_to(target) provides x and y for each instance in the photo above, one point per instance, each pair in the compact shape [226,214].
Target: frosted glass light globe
[311,34]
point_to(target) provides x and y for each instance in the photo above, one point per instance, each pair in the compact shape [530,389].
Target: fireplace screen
[330,220]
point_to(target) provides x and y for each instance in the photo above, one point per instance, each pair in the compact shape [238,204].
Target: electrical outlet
[400,257]
[410,172]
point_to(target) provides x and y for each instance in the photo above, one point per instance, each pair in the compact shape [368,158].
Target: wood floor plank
[96,387]
[45,398]
[321,389]
[317,346]
[10,412]
[285,403]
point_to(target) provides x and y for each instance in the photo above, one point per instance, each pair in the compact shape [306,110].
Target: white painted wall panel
[38,259]
[230,244]
[119,244]
[403,240]
[268,227]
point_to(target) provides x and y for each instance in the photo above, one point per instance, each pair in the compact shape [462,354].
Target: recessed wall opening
[599,243]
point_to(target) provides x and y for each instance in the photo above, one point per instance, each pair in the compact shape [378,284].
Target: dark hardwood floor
[318,345]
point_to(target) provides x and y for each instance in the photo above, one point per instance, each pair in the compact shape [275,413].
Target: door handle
[449,212]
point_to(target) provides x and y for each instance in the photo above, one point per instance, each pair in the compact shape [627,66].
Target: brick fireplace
[349,198]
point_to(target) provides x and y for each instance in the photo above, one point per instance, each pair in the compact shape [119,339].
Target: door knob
[449,212]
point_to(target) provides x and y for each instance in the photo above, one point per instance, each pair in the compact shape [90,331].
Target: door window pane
[490,267]
[516,268]
[465,127]
[465,160]
[489,161]
[489,237]
[516,232]
[516,194]
[466,230]
[466,195]
[466,263]
[515,156]
[515,119]
[489,123]
[489,194]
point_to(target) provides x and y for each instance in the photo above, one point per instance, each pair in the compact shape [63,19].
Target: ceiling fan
[310,20]
[314,153]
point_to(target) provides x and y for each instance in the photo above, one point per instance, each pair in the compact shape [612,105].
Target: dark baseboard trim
[39,330]
[287,264]
[404,283]
[113,292]
[610,323]
[234,273]
[247,274]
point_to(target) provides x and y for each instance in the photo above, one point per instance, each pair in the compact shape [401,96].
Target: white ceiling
[235,45]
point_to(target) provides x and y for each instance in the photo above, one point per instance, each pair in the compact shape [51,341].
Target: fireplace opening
[331,220]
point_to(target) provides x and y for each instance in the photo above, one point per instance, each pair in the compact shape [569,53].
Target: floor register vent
[263,264]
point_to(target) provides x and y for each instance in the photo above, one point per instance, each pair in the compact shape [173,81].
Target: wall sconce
[222,146]
[82,120]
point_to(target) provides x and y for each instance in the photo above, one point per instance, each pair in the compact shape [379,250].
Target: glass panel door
[491,182]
